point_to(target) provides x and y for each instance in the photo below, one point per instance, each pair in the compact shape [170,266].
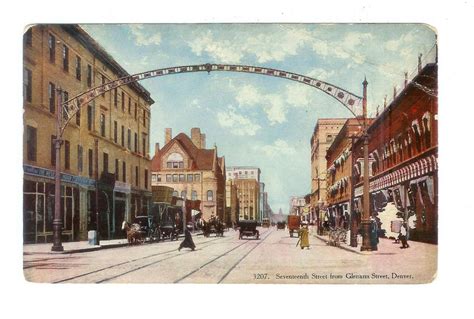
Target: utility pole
[354,223]
[96,174]
[57,221]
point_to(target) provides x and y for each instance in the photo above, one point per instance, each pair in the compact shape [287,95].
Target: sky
[258,120]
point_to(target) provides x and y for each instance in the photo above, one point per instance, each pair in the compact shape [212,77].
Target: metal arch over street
[351,101]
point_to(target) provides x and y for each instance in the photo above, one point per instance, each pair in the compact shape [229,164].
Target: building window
[90,117]
[65,58]
[65,98]
[144,145]
[168,178]
[53,153]
[105,163]
[31,143]
[136,176]
[136,111]
[124,172]
[78,117]
[194,195]
[197,177]
[144,118]
[28,38]
[136,143]
[175,160]
[123,136]
[123,101]
[158,178]
[103,82]
[129,105]
[328,138]
[190,178]
[129,139]
[175,178]
[153,178]
[181,178]
[115,98]
[52,48]
[67,155]
[78,68]
[102,124]
[89,75]
[90,162]
[210,196]
[79,158]
[52,97]
[146,179]
[116,169]
[183,194]
[27,87]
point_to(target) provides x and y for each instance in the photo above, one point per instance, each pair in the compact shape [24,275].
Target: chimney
[196,136]
[168,135]
[203,141]
[157,148]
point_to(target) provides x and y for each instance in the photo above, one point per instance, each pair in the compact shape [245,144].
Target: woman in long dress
[188,241]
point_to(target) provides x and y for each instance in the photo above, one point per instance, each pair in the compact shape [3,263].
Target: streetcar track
[128,262]
[218,257]
[244,256]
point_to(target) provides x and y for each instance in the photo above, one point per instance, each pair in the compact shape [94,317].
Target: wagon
[148,228]
[281,225]
[248,228]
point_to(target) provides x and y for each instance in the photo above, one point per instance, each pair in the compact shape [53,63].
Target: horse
[134,235]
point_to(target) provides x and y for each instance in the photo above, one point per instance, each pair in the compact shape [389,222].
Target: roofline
[85,39]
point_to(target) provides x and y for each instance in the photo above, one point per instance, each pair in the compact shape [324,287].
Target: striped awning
[413,170]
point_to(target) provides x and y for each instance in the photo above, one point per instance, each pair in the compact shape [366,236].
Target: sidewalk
[78,246]
[385,246]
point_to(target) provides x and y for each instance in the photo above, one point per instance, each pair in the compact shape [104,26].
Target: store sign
[50,174]
[122,187]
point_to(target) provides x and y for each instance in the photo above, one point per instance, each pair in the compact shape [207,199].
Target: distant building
[191,170]
[231,203]
[297,203]
[324,133]
[243,172]
[248,193]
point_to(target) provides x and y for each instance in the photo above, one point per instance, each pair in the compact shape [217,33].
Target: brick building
[324,133]
[193,171]
[248,193]
[65,56]
[403,147]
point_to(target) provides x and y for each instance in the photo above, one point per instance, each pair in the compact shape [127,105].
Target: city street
[274,258]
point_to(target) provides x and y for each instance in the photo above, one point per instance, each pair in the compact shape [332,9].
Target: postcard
[230,153]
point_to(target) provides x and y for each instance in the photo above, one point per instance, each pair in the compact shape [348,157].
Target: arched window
[417,133]
[210,195]
[183,194]
[175,160]
[426,128]
[194,195]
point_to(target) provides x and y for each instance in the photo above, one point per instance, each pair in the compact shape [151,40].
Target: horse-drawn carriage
[213,226]
[148,227]
[168,220]
[248,228]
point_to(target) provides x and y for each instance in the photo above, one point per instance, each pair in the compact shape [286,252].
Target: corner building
[105,145]
[193,171]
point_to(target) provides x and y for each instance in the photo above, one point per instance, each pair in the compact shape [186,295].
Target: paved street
[272,259]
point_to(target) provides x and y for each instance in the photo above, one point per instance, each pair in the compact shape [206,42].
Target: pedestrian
[304,236]
[188,241]
[403,236]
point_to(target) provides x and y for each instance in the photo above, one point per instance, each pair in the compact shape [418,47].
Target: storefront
[38,205]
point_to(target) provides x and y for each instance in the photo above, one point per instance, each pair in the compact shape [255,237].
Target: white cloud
[298,95]
[144,35]
[279,147]
[321,74]
[403,41]
[270,44]
[236,123]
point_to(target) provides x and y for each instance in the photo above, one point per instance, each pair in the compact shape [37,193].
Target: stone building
[105,145]
[248,191]
[193,171]
[324,133]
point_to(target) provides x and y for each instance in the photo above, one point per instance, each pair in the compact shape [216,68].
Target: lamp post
[365,223]
[57,221]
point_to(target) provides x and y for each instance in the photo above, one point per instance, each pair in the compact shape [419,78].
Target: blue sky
[256,120]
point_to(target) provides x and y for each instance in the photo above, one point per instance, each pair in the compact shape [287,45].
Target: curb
[93,248]
[341,247]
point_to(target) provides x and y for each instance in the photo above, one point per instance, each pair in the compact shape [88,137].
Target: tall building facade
[105,145]
[193,171]
[232,202]
[403,147]
[247,181]
[324,133]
